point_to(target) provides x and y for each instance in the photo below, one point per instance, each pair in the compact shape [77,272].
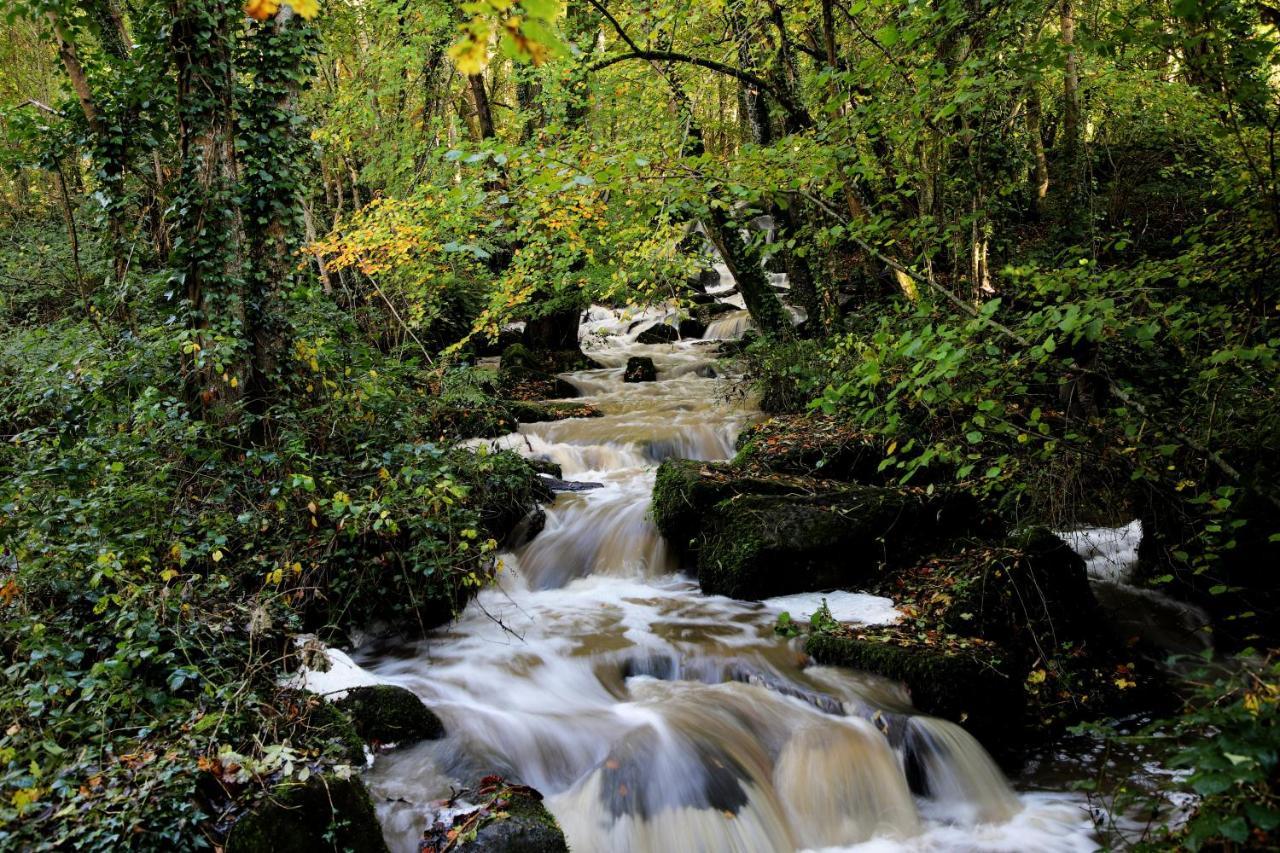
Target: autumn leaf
[261,10]
[306,8]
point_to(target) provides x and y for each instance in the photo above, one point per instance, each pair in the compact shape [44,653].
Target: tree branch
[797,113]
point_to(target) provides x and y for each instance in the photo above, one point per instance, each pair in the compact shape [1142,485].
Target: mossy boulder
[812,444]
[692,328]
[519,355]
[525,412]
[508,819]
[324,813]
[326,723]
[640,369]
[659,333]
[524,384]
[685,490]
[706,313]
[385,713]
[457,423]
[964,685]
[755,546]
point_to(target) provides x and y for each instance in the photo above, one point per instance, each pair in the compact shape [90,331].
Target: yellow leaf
[216,555]
[306,8]
[260,10]
[471,54]
[1037,677]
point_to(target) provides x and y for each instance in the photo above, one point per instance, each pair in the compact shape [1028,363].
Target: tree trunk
[1072,139]
[210,253]
[1040,172]
[480,100]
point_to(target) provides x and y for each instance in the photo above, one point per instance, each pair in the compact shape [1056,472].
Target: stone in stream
[640,369]
[753,536]
[706,313]
[525,412]
[692,328]
[508,819]
[386,714]
[523,383]
[659,333]
[324,813]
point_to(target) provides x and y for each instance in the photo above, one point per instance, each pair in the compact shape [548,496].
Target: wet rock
[388,714]
[558,485]
[706,313]
[525,384]
[640,369]
[546,467]
[508,819]
[964,686]
[692,328]
[659,333]
[323,813]
[525,412]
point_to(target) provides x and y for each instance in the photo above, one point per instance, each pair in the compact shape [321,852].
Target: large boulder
[812,444]
[523,383]
[692,329]
[756,546]
[640,369]
[384,714]
[526,412]
[326,812]
[659,333]
[706,313]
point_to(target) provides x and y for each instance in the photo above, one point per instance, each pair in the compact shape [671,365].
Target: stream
[654,718]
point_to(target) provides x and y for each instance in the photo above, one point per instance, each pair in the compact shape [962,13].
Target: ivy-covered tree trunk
[209,246]
[279,50]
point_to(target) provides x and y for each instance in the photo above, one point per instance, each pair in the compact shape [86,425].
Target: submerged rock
[640,369]
[388,714]
[324,813]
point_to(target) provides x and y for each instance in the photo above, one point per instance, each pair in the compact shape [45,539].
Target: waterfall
[654,718]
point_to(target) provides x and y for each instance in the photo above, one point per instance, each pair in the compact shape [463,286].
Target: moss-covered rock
[964,685]
[755,546]
[685,490]
[692,328]
[813,444]
[459,423]
[324,722]
[706,313]
[526,412]
[640,369]
[659,333]
[523,383]
[509,819]
[519,355]
[323,813]
[385,713]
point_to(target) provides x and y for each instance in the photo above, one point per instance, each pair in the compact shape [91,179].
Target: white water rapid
[655,718]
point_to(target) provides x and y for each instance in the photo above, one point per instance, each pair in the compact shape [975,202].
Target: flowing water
[655,718]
